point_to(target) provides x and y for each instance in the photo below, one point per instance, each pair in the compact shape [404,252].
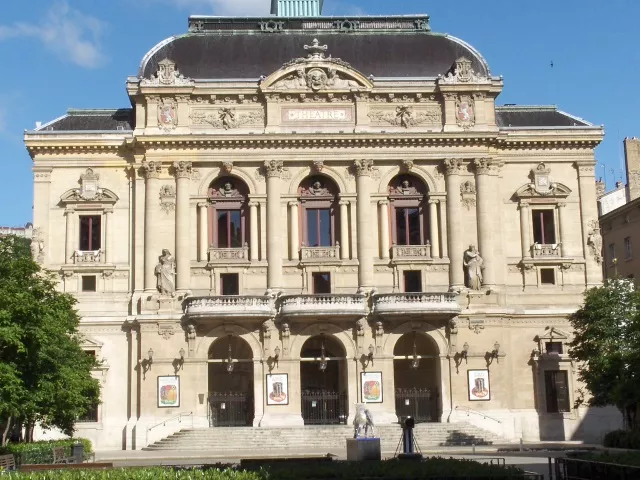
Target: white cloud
[224,7]
[70,34]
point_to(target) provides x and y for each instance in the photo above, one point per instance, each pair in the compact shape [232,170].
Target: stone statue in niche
[165,271]
[37,245]
[227,190]
[594,241]
[405,188]
[473,263]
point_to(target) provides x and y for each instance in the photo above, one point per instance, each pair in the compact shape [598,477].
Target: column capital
[383,202]
[562,204]
[182,169]
[151,169]
[363,168]
[433,201]
[274,168]
[70,210]
[253,204]
[203,204]
[108,210]
[586,168]
[452,166]
[294,203]
[524,204]
[487,166]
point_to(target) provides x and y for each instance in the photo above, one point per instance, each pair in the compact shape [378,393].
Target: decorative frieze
[468,194]
[228,118]
[229,255]
[406,116]
[311,254]
[415,252]
[167,198]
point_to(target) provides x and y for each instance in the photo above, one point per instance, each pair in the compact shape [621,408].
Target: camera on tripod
[410,448]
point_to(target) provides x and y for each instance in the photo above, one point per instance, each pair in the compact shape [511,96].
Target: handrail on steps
[164,422]
[470,410]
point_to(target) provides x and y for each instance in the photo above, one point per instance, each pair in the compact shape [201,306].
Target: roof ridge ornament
[316,50]
[166,75]
[317,54]
[463,72]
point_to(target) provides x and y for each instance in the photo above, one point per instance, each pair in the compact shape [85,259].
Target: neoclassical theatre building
[298,214]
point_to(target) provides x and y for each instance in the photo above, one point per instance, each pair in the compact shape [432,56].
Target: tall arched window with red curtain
[228,213]
[409,215]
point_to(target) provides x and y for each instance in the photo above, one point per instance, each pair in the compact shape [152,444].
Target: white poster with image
[479,388]
[278,389]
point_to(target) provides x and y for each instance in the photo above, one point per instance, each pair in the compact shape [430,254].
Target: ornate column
[443,228]
[344,230]
[354,230]
[485,214]
[273,170]
[263,229]
[152,246]
[69,240]
[294,222]
[589,214]
[254,232]
[108,234]
[563,226]
[363,170]
[452,168]
[384,228]
[433,228]
[203,231]
[183,226]
[525,235]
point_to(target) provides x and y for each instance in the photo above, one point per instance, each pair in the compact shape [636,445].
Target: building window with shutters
[557,391]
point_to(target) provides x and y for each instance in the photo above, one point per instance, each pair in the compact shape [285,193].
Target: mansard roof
[527,116]
[91,121]
[247,48]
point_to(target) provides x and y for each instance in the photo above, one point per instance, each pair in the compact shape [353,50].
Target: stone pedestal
[360,449]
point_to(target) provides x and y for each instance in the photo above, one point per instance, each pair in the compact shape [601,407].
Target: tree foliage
[45,376]
[607,343]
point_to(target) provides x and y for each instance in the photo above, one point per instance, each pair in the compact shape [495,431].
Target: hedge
[42,452]
[631,459]
[622,439]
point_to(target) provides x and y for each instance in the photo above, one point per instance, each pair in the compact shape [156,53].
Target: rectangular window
[544,228]
[548,276]
[229,284]
[628,249]
[408,226]
[553,347]
[88,283]
[229,229]
[557,390]
[412,281]
[90,232]
[318,227]
[612,253]
[90,417]
[321,283]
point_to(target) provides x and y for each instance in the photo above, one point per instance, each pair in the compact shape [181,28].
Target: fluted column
[203,231]
[525,234]
[433,228]
[254,233]
[565,247]
[344,230]
[443,228]
[273,171]
[383,207]
[363,170]
[152,245]
[108,234]
[488,237]
[454,212]
[69,243]
[183,225]
[294,222]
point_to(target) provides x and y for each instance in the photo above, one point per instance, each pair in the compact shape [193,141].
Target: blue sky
[60,54]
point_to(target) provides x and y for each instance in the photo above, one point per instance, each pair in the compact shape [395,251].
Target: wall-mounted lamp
[323,359]
[277,354]
[493,354]
[178,363]
[415,360]
[150,353]
[465,351]
[369,357]
[230,363]
[182,352]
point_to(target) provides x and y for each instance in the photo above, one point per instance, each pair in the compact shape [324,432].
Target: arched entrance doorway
[230,383]
[323,381]
[416,376]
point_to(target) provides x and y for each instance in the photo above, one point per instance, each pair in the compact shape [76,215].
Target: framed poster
[168,391]
[278,389]
[371,387]
[479,387]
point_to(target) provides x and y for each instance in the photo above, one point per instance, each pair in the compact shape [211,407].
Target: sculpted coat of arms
[465,111]
[167,113]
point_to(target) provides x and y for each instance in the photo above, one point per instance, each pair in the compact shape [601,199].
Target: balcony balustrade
[86,257]
[411,252]
[319,305]
[229,255]
[540,250]
[320,254]
[230,306]
[437,304]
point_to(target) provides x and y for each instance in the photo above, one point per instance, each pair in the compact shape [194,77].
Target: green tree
[45,376]
[607,343]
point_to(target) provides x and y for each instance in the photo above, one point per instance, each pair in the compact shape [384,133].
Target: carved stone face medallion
[316,79]
[166,72]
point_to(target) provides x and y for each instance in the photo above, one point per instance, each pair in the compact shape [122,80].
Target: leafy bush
[622,439]
[625,458]
[42,452]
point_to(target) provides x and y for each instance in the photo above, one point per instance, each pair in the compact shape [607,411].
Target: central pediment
[316,73]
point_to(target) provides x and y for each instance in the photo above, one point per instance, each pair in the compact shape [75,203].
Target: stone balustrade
[412,303]
[229,255]
[540,250]
[230,306]
[411,252]
[83,257]
[318,305]
[320,254]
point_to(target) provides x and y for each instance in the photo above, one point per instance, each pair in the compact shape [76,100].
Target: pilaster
[363,170]
[273,171]
[452,167]
[183,172]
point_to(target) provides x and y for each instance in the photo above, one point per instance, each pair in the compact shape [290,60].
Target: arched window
[227,213]
[409,213]
[318,195]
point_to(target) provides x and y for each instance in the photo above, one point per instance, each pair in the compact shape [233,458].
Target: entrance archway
[230,383]
[323,381]
[416,376]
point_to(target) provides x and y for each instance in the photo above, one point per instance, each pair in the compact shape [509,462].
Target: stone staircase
[317,439]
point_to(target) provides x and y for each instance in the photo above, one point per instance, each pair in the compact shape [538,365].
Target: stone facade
[356,202]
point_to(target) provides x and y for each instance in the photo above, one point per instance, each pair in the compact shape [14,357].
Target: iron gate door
[419,403]
[230,409]
[323,407]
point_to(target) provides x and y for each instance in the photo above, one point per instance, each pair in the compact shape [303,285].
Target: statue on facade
[165,271]
[473,262]
[363,420]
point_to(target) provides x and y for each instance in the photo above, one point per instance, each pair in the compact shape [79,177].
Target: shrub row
[42,452]
[622,439]
[624,458]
